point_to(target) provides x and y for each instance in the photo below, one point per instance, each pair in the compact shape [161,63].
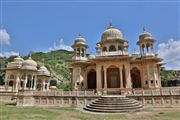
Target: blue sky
[37,25]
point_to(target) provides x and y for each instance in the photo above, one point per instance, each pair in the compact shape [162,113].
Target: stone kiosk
[24,75]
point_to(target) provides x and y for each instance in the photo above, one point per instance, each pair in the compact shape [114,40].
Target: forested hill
[56,61]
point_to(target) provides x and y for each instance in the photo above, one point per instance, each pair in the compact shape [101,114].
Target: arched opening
[112,48]
[143,46]
[113,80]
[21,84]
[83,51]
[53,82]
[147,47]
[11,83]
[29,82]
[104,49]
[136,78]
[39,87]
[120,48]
[78,52]
[91,81]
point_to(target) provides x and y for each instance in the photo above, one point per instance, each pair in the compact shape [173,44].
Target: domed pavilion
[113,69]
[24,75]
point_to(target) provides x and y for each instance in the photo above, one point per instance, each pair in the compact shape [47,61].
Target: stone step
[114,105]
[129,100]
[112,102]
[102,98]
[112,111]
[115,108]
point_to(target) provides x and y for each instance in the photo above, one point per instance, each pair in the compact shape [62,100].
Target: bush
[66,86]
[164,83]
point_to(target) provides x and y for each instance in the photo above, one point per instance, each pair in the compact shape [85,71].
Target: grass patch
[10,112]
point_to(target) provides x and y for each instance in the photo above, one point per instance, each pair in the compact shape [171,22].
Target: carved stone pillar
[6,82]
[17,82]
[44,85]
[25,82]
[105,77]
[48,86]
[35,81]
[121,78]
[98,77]
[128,76]
[32,82]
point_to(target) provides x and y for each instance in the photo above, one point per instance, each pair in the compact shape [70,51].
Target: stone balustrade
[64,93]
[112,53]
[156,92]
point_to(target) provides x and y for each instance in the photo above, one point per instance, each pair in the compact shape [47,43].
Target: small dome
[98,46]
[79,41]
[43,71]
[16,63]
[144,35]
[111,33]
[29,64]
[18,59]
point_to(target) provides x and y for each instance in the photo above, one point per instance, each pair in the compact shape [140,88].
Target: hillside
[56,61]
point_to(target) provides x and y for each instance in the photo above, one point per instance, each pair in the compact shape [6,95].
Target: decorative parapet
[79,58]
[156,92]
[64,93]
[112,53]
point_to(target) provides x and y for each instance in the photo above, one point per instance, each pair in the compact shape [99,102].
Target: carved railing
[63,93]
[156,92]
[112,53]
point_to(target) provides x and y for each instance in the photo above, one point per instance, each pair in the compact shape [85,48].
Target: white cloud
[170,52]
[4,37]
[8,54]
[60,45]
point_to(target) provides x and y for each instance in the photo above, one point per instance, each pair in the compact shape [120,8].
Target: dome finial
[144,28]
[43,62]
[30,55]
[79,35]
[110,23]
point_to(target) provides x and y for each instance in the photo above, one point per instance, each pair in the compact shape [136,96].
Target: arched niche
[113,77]
[136,77]
[112,48]
[91,79]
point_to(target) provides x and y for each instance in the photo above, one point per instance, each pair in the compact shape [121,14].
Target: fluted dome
[111,33]
[43,71]
[145,35]
[16,63]
[18,59]
[79,41]
[29,64]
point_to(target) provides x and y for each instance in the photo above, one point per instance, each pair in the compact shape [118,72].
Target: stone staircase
[114,104]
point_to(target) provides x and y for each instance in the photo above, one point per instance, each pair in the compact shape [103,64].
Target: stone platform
[113,104]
